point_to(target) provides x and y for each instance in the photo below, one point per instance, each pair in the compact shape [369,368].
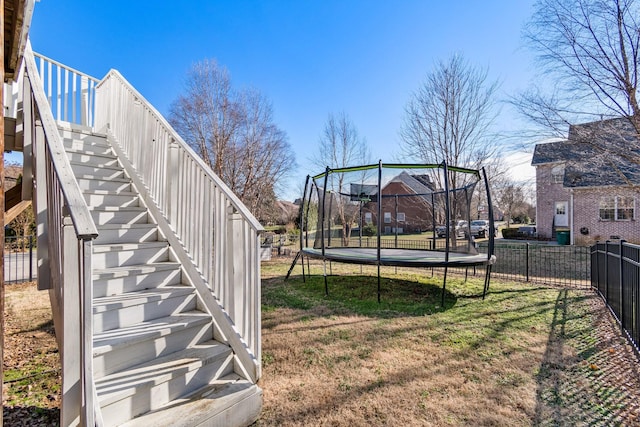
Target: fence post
[606,270]
[31,258]
[527,260]
[621,288]
[594,268]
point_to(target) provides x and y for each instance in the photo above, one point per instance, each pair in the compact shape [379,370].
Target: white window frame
[617,204]
[401,217]
[368,218]
[387,217]
[557,174]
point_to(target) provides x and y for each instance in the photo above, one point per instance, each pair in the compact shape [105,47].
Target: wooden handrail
[65,237]
[211,231]
[72,90]
[237,204]
[77,206]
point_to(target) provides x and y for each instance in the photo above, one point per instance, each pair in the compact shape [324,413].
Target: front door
[561,218]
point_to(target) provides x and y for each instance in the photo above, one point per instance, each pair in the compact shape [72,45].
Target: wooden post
[2,294]
[70,350]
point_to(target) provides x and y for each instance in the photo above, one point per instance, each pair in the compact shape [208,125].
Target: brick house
[406,205]
[589,183]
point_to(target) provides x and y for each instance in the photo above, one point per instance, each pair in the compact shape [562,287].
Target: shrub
[369,230]
[510,233]
[280,230]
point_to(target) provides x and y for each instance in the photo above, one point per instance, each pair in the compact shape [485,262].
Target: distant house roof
[603,153]
[419,184]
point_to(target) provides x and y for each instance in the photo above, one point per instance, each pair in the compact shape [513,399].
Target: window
[557,174]
[400,216]
[561,208]
[617,208]
[367,218]
[625,208]
[608,208]
[387,217]
[387,230]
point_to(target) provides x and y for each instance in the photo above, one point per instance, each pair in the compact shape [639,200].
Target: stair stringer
[225,331]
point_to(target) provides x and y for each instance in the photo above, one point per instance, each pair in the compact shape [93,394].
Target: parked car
[480,228]
[460,228]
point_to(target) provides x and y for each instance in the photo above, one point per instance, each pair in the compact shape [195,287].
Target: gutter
[571,219]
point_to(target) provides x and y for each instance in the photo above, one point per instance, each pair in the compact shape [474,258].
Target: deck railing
[70,93]
[65,234]
[217,231]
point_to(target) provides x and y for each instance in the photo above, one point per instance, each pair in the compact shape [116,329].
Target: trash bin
[562,237]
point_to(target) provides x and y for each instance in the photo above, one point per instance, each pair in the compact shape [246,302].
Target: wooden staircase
[155,359]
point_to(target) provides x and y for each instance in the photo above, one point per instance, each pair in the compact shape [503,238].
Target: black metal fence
[20,262]
[542,263]
[615,275]
[521,261]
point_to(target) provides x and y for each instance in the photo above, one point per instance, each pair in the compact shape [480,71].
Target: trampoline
[390,214]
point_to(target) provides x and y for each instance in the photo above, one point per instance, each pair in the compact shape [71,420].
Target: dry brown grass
[528,355]
[525,356]
[31,389]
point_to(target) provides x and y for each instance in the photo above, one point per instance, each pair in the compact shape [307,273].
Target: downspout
[571,219]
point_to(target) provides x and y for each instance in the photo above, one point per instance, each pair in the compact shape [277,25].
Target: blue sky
[309,57]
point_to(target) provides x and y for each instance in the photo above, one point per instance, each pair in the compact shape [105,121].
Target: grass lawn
[527,355]
[31,389]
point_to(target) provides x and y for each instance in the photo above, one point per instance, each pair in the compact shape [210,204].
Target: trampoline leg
[487,279]
[304,279]
[326,285]
[444,285]
[466,274]
[378,283]
[293,264]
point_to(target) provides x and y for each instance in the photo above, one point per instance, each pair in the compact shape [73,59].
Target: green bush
[280,230]
[510,233]
[369,230]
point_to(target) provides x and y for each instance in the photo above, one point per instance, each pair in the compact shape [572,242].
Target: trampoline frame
[332,253]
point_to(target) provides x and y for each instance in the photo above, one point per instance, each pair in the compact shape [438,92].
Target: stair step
[101,198]
[79,156]
[102,171]
[126,233]
[118,255]
[229,401]
[124,348]
[118,280]
[116,215]
[151,385]
[82,135]
[87,146]
[154,356]
[88,182]
[118,311]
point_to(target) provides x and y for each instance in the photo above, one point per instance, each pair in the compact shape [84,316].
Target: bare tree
[513,201]
[235,134]
[449,119]
[341,146]
[590,50]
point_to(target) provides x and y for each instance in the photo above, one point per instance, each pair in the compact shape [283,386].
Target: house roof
[603,153]
[419,184]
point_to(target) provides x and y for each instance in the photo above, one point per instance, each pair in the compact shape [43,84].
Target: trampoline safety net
[424,207]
